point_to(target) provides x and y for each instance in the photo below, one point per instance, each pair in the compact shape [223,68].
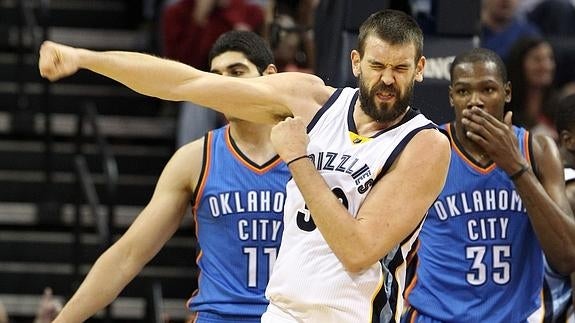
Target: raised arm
[544,197]
[159,220]
[266,99]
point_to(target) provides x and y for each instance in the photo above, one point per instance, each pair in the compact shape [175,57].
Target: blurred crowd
[532,36]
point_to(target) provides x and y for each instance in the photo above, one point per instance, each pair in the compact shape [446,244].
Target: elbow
[171,94]
[565,264]
[362,257]
[568,265]
[356,264]
[352,268]
[125,257]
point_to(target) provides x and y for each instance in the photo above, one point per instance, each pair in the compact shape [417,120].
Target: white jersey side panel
[569,174]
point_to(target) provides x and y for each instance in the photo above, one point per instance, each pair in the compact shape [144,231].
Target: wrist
[520,172]
[296,159]
[83,57]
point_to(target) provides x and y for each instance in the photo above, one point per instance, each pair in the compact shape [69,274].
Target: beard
[386,112]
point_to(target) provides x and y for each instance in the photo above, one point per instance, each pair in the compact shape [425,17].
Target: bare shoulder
[431,144]
[191,150]
[548,167]
[546,154]
[420,170]
[303,93]
[542,144]
[186,163]
[425,160]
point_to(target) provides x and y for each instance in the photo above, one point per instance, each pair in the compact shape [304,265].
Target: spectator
[47,310]
[525,6]
[501,26]
[531,68]
[554,17]
[287,42]
[189,29]
[556,20]
[291,35]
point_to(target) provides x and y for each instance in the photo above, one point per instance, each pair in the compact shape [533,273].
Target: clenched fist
[289,138]
[57,61]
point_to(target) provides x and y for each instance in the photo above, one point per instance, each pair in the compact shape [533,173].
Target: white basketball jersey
[309,283]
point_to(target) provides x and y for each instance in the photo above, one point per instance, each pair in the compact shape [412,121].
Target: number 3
[304,219]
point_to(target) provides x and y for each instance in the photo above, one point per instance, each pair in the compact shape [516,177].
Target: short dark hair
[392,26]
[480,55]
[565,118]
[254,47]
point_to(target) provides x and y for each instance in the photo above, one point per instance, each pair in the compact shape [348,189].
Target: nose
[475,100]
[387,76]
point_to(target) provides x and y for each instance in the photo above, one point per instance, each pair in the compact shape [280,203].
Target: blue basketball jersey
[238,210]
[478,258]
[557,294]
[557,288]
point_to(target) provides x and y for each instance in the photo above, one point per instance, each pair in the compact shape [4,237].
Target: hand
[289,138]
[496,138]
[57,61]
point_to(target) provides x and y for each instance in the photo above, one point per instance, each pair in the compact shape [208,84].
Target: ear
[355,62]
[270,69]
[567,140]
[419,69]
[507,88]
[451,97]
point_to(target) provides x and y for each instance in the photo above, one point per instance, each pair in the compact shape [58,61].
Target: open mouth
[385,96]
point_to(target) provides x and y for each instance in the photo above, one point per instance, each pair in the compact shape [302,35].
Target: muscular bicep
[400,200]
[266,99]
[550,170]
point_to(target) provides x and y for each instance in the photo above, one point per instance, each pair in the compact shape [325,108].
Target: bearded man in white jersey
[360,188]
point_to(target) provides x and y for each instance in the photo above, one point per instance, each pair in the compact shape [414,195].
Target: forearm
[104,282]
[336,225]
[145,74]
[554,227]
